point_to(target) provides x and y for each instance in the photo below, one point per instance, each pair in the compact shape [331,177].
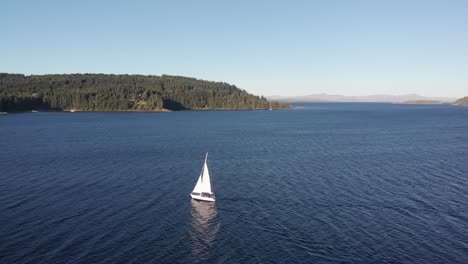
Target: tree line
[109,92]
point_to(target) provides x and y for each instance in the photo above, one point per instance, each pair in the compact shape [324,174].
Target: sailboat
[202,190]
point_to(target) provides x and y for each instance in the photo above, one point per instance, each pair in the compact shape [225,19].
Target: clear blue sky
[266,47]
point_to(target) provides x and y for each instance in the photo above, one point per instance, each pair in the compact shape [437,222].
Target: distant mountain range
[377,98]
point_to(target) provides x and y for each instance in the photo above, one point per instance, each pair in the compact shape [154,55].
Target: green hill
[108,92]
[462,101]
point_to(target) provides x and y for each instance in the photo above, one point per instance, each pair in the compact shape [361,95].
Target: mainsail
[203,183]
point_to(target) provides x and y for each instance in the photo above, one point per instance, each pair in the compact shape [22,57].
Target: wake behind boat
[202,190]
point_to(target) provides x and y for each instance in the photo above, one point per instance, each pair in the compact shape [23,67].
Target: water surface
[328,183]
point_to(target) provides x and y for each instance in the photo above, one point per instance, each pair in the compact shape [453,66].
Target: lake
[325,183]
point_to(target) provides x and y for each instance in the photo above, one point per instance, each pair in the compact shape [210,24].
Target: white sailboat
[202,190]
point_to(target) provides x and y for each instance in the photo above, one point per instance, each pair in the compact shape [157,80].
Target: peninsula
[462,101]
[109,92]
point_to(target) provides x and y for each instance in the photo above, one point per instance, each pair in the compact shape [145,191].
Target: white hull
[200,198]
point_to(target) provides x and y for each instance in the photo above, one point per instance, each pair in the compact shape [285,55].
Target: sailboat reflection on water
[205,226]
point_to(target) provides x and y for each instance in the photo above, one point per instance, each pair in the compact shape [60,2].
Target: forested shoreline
[109,92]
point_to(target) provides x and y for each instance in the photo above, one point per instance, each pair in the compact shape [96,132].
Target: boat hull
[205,199]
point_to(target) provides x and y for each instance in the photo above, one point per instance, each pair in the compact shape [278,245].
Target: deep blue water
[328,183]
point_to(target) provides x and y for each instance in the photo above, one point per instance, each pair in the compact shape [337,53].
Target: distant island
[109,92]
[375,98]
[422,102]
[462,101]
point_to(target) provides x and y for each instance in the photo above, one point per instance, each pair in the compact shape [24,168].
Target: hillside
[108,92]
[462,101]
